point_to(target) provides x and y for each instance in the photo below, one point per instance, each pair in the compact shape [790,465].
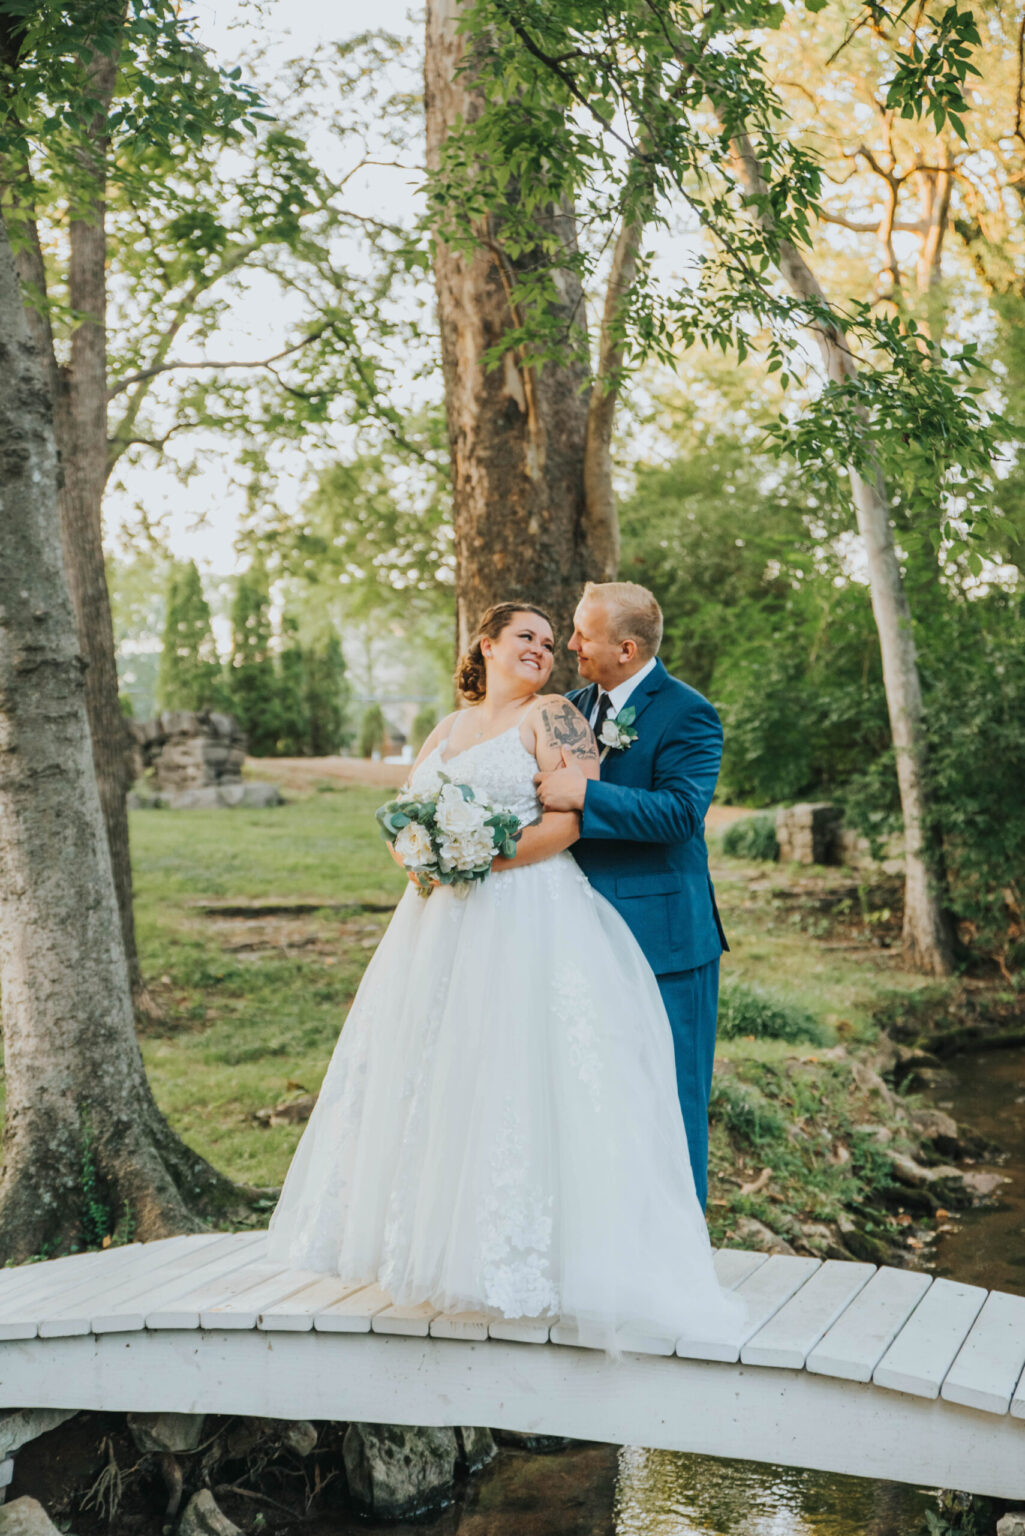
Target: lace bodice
[500,770]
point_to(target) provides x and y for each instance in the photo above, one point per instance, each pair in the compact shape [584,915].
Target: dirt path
[304,775]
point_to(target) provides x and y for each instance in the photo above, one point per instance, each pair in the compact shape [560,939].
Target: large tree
[650,101]
[112,148]
[81,1127]
[530,438]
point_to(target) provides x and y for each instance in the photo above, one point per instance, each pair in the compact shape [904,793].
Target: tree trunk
[85,1148]
[518,435]
[928,938]
[80,420]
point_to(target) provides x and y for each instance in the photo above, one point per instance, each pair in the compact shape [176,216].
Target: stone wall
[187,750]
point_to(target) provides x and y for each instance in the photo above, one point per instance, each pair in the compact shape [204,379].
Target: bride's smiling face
[523,653]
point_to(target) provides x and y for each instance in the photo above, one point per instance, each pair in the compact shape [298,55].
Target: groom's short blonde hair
[632,611]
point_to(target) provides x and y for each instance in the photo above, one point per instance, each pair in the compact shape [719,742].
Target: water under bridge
[842,1367]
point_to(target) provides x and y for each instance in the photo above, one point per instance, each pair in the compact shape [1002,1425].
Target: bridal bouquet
[448,836]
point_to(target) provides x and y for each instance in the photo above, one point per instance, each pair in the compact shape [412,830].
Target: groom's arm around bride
[642,839]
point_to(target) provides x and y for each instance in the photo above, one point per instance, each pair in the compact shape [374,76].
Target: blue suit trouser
[692,1002]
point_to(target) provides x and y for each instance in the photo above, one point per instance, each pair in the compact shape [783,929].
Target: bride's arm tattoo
[563,728]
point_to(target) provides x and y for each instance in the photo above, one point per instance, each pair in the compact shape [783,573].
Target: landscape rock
[174,1432]
[946,1184]
[982,1184]
[751,1233]
[937,1126]
[203,1518]
[24,1424]
[398,1470]
[809,833]
[26,1517]
[1012,1524]
[211,797]
[300,1436]
[869,1081]
[477,1448]
[290,1112]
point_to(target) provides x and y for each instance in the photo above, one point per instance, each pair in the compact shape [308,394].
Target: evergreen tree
[190,672]
[252,679]
[293,701]
[424,721]
[371,731]
[327,697]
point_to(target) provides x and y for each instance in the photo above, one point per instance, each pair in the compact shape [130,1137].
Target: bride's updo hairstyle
[471,673]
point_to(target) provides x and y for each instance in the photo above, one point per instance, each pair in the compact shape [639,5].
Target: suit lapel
[646,691]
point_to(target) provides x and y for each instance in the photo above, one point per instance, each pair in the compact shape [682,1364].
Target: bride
[499,1128]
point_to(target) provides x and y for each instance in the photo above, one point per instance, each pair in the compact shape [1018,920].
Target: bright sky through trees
[199,520]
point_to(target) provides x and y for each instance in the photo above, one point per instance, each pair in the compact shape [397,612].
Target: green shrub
[752,838]
[747,1010]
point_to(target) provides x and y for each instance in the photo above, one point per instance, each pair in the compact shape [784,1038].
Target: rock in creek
[26,1517]
[175,1432]
[397,1470]
[203,1518]
[477,1447]
[1012,1524]
[24,1424]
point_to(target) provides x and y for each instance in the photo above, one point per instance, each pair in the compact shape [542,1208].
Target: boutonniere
[617,732]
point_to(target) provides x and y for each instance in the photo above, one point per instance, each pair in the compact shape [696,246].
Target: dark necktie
[604,706]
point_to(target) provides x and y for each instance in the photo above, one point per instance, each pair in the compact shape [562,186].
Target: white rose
[413,846]
[455,816]
[609,733]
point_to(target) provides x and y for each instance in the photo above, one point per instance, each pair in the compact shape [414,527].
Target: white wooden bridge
[839,1366]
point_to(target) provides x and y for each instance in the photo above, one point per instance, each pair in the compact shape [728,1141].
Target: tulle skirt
[499,1128]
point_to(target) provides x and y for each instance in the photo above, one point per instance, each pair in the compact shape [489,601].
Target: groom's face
[598,652]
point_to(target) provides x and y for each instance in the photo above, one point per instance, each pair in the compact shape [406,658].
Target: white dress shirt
[621,692]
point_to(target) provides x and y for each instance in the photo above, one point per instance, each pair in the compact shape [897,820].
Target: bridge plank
[460,1325]
[411,1322]
[990,1360]
[353,1314]
[857,1341]
[123,1308]
[1018,1400]
[924,1349]
[764,1291]
[297,1313]
[520,1330]
[787,1339]
[243,1306]
[41,1283]
[170,1305]
[732,1265]
[140,1301]
[69,1310]
[186,1309]
[631,1337]
[33,1277]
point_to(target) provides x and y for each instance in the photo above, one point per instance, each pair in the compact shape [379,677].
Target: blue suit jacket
[642,838]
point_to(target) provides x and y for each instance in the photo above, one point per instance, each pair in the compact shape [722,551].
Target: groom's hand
[562,789]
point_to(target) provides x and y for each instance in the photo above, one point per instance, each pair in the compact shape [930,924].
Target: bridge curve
[837,1366]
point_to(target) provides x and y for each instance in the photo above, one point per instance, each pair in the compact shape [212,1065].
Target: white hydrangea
[457,817]
[414,847]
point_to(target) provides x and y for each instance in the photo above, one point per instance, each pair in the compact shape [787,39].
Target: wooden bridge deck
[838,1366]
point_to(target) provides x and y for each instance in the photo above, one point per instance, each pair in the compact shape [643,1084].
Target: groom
[642,839]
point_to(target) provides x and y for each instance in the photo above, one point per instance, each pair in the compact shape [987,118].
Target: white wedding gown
[499,1128]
